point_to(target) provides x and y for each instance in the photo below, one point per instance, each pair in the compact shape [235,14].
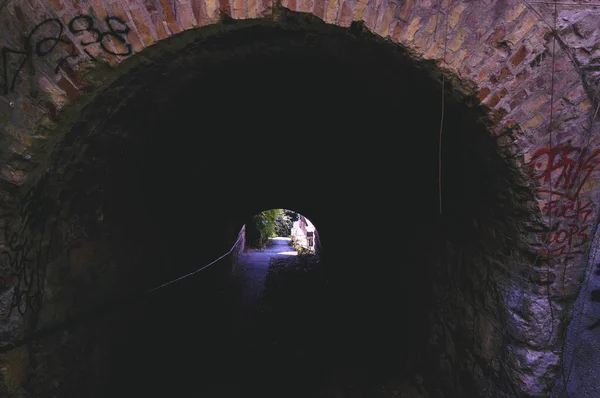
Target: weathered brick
[496,115]
[239,9]
[413,27]
[346,14]
[319,8]
[457,41]
[585,105]
[170,17]
[160,27]
[534,104]
[212,10]
[483,93]
[197,11]
[458,58]
[505,73]
[57,5]
[455,14]
[515,12]
[74,76]
[225,7]
[475,58]
[496,36]
[99,9]
[370,17]
[150,6]
[533,122]
[519,79]
[519,56]
[496,98]
[267,4]
[332,10]
[435,51]
[185,14]
[432,25]
[422,41]
[143,26]
[253,9]
[72,92]
[306,6]
[406,9]
[383,28]
[517,99]
[522,29]
[19,14]
[397,31]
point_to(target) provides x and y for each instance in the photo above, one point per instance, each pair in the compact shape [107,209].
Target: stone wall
[580,367]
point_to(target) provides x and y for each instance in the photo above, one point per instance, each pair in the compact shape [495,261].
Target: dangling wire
[550,144]
[443,108]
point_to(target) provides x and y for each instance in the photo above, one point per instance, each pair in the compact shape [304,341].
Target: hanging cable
[442,109]
[105,308]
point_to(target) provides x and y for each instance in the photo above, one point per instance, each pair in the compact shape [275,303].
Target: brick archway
[500,54]
[58,56]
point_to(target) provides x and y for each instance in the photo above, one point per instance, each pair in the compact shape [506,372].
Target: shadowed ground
[275,331]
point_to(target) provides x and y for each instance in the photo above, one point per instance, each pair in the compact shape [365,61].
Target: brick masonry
[58,54]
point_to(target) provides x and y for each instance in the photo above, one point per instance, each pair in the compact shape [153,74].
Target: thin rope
[193,272]
[442,112]
[550,144]
[103,308]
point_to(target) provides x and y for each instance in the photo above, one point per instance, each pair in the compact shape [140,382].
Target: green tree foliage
[261,227]
[283,222]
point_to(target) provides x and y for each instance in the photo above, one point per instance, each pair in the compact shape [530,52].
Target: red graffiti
[569,239]
[578,209]
[573,166]
[562,172]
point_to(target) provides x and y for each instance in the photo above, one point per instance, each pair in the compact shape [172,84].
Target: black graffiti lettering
[9,79]
[89,55]
[117,33]
[72,54]
[46,44]
[53,40]
[26,252]
[89,27]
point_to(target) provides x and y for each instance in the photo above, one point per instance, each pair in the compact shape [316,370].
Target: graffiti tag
[562,172]
[43,44]
[573,166]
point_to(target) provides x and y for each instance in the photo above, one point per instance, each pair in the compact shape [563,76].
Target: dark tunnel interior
[165,166]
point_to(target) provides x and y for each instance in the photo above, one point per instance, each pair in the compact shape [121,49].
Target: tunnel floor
[238,340]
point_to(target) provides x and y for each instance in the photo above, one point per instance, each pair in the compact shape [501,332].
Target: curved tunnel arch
[457,217]
[143,179]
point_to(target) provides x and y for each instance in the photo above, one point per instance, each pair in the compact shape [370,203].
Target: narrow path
[292,339]
[251,273]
